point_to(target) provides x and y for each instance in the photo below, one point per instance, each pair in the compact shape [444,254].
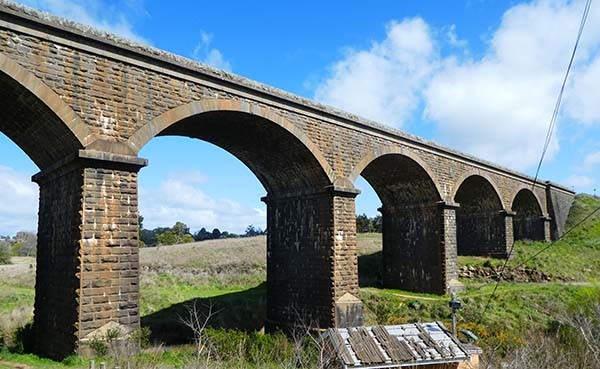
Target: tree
[186,238]
[180,229]
[4,252]
[148,237]
[202,235]
[167,238]
[27,243]
[216,234]
[377,223]
[251,231]
[363,224]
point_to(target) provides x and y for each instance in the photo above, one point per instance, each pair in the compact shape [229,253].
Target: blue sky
[478,76]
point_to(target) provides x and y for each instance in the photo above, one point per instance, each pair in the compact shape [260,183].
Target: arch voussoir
[165,120]
[65,114]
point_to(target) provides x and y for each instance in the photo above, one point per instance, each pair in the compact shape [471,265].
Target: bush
[5,253]
[252,347]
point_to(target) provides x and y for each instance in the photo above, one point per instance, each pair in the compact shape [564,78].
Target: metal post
[454,306]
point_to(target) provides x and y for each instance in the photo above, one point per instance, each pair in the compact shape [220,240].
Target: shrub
[252,347]
[142,336]
[4,253]
[99,346]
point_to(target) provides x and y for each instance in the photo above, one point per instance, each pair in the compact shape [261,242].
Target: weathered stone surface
[87,264]
[84,103]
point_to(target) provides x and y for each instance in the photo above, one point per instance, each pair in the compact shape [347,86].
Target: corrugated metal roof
[395,345]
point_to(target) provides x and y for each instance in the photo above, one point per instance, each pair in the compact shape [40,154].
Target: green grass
[230,273]
[575,257]
[12,298]
[167,289]
[516,308]
[37,362]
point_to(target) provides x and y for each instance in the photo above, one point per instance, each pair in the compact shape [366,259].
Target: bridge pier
[87,260]
[506,237]
[419,247]
[547,225]
[485,233]
[531,227]
[312,270]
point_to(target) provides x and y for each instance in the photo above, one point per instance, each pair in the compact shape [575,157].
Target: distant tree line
[180,233]
[22,244]
[364,224]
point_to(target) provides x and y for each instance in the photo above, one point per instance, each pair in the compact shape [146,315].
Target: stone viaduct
[81,104]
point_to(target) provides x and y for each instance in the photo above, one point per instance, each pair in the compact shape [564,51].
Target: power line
[545,148]
[500,273]
[562,89]
[560,238]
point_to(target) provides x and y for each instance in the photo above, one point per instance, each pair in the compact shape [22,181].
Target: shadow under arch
[413,255]
[477,173]
[244,310]
[374,155]
[480,218]
[528,221]
[45,127]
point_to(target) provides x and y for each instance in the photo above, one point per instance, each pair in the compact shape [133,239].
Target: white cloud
[497,106]
[179,199]
[94,13]
[383,83]
[453,39]
[591,160]
[580,182]
[203,52]
[18,202]
[583,103]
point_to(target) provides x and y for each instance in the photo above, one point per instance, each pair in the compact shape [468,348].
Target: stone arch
[165,121]
[373,155]
[400,180]
[38,120]
[302,206]
[480,222]
[524,187]
[475,172]
[412,255]
[528,221]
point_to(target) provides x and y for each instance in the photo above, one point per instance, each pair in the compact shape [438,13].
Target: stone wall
[109,251]
[311,258]
[57,286]
[414,248]
[559,203]
[87,274]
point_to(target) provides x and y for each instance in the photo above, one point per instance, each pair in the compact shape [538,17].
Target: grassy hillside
[576,257]
[230,275]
